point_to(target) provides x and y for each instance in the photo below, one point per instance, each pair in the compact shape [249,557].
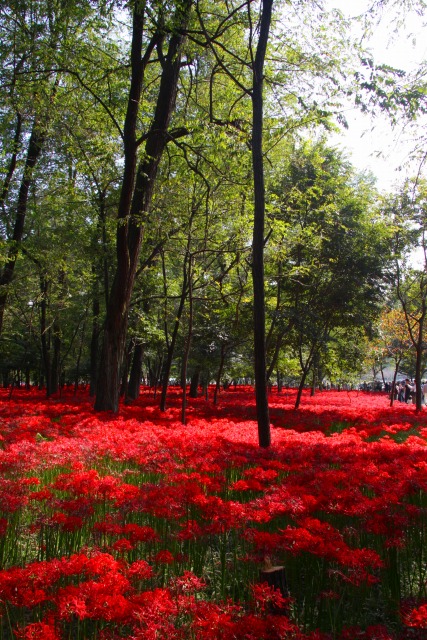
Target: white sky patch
[372,144]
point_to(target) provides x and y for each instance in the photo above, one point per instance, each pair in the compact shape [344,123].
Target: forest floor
[136,526]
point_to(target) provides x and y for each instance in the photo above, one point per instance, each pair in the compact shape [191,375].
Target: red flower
[122,545]
[417,617]
[267,597]
[140,570]
[188,583]
[38,631]
[164,557]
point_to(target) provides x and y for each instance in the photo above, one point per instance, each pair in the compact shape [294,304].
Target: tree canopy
[134,219]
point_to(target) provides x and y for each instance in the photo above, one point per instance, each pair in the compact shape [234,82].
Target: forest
[172,209]
[194,281]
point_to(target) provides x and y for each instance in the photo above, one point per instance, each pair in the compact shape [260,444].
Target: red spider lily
[140,570]
[267,598]
[164,557]
[138,533]
[417,617]
[190,530]
[375,632]
[187,583]
[122,545]
[345,500]
[38,631]
[154,613]
[66,522]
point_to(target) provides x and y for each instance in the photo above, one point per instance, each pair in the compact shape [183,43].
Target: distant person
[408,390]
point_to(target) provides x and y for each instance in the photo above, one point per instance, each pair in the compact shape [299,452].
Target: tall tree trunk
[301,388]
[12,163]
[126,367]
[156,373]
[418,386]
[172,342]
[279,381]
[194,385]
[136,195]
[79,354]
[261,391]
[37,139]
[56,357]
[313,383]
[187,344]
[219,374]
[393,384]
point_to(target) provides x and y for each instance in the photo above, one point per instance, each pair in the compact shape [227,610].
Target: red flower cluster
[139,527]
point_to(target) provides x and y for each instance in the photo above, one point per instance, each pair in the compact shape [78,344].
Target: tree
[36,38]
[394,340]
[329,249]
[258,230]
[139,177]
[408,210]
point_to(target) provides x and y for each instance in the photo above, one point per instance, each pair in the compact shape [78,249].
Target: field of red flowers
[135,526]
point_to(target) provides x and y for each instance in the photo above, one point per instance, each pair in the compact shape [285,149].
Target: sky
[366,139]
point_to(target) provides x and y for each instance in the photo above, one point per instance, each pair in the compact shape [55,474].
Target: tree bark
[56,357]
[171,345]
[301,388]
[35,145]
[13,160]
[136,194]
[219,374]
[261,391]
[135,373]
[279,381]
[393,385]
[187,344]
[194,385]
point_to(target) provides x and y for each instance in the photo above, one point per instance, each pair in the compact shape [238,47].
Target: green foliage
[67,65]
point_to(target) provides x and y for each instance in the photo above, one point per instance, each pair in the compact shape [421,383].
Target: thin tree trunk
[418,389]
[393,386]
[79,355]
[135,373]
[37,139]
[184,291]
[187,344]
[313,383]
[279,381]
[12,163]
[126,368]
[301,388]
[156,374]
[219,374]
[172,343]
[261,391]
[56,358]
[194,385]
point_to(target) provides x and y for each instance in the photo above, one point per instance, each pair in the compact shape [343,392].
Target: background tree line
[127,209]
